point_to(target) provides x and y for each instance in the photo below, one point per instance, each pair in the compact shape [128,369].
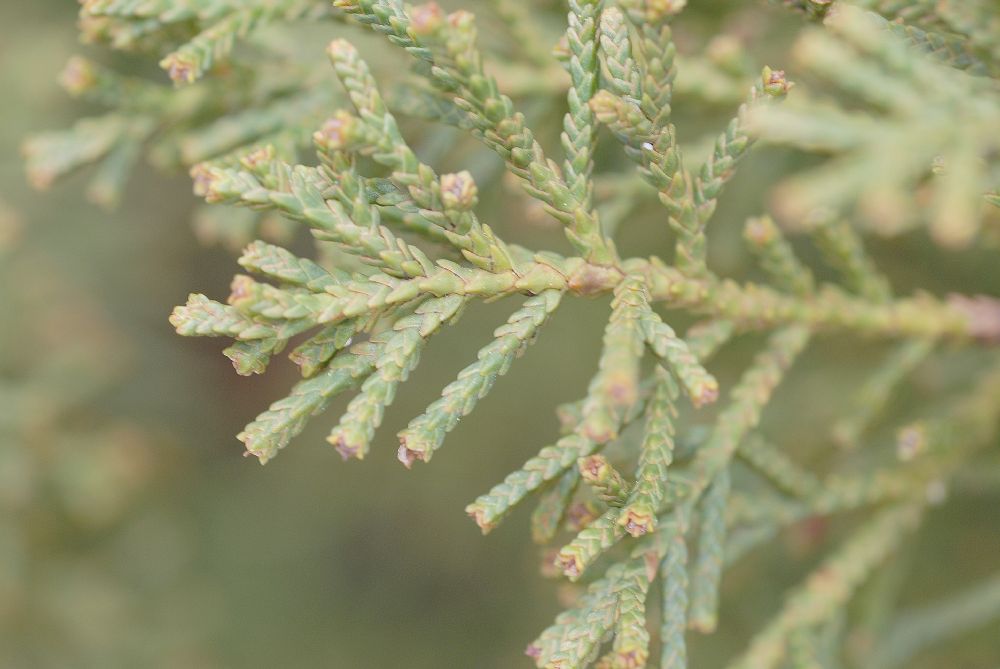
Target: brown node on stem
[982,312]
[591,280]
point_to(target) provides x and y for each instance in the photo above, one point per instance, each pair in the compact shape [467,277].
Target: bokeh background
[132,533]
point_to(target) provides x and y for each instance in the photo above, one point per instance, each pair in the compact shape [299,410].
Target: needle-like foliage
[901,97]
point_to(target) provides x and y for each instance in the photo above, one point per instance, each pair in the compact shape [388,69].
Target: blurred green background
[132,533]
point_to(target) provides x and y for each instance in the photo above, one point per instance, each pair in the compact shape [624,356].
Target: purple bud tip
[408,456]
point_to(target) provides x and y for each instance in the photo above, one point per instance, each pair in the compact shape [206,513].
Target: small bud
[594,468]
[346,450]
[408,455]
[982,313]
[338,133]
[911,442]
[426,20]
[548,567]
[638,520]
[78,76]
[241,290]
[180,68]
[462,20]
[477,513]
[458,191]
[258,157]
[203,177]
[340,49]
[760,231]
[704,392]
[570,564]
[609,485]
[774,82]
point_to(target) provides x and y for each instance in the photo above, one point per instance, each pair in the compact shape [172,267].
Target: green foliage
[880,160]
[907,103]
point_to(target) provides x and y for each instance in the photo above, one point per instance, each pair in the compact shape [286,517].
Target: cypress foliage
[910,142]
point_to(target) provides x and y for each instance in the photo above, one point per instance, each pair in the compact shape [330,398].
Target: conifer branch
[674,594]
[460,72]
[898,98]
[215,42]
[707,570]
[399,353]
[733,143]
[639,513]
[578,125]
[777,257]
[831,584]
[426,433]
[778,468]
